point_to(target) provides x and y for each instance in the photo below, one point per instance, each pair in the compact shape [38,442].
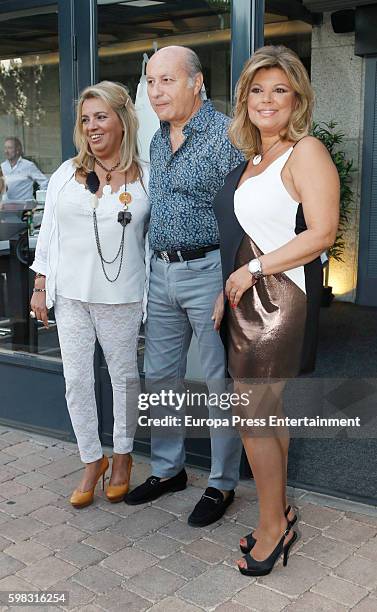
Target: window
[128,29]
[30,152]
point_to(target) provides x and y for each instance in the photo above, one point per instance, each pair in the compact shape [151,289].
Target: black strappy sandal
[250,540]
[262,568]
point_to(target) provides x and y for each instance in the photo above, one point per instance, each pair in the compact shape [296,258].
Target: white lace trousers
[116,326]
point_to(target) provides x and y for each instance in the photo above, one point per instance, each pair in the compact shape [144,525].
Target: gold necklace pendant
[108,177]
[125,198]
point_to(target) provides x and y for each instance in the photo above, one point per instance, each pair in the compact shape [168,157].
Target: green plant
[331,138]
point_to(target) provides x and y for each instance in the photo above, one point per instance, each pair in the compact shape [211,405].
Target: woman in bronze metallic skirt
[277,213]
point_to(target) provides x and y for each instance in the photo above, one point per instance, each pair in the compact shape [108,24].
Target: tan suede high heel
[81,499]
[116,493]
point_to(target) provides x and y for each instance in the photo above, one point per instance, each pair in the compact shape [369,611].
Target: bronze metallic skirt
[265,333]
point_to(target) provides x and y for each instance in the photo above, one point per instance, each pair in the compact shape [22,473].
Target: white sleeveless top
[79,274]
[267,212]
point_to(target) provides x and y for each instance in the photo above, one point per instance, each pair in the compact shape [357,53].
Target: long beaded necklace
[124,216]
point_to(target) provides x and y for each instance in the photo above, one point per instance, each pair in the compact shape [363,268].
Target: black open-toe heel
[250,540]
[262,568]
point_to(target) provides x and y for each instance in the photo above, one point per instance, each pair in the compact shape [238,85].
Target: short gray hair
[193,64]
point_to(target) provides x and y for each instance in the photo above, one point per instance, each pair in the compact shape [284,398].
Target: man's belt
[174,256]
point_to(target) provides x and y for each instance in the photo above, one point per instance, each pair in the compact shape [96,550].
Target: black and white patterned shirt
[183,184]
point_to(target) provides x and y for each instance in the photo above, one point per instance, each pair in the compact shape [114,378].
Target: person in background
[190,157]
[90,264]
[20,173]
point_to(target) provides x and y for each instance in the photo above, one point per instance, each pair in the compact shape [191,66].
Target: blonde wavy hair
[242,132]
[116,96]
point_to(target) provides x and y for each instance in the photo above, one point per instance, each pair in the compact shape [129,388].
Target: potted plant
[331,138]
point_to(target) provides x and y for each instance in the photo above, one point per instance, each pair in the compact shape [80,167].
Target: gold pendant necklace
[107,170]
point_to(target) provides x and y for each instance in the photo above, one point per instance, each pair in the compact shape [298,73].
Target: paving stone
[59,536]
[228,534]
[98,579]
[317,516]
[207,551]
[129,561]
[9,565]
[173,604]
[184,565]
[141,523]
[176,504]
[46,572]
[31,462]
[326,551]
[55,452]
[21,529]
[15,436]
[350,531]
[62,467]
[369,604]
[181,531]
[249,517]
[3,543]
[119,600]
[78,596]
[51,515]
[90,608]
[306,532]
[231,606]
[93,520]
[121,510]
[27,552]
[80,555]
[33,480]
[368,550]
[358,570]
[64,486]
[107,542]
[158,545]
[299,575]
[312,602]
[214,587]
[262,599]
[342,591]
[30,501]
[12,489]
[154,583]
[14,583]
[8,473]
[362,518]
[6,459]
[28,447]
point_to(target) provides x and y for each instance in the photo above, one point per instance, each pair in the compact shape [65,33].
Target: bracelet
[39,275]
[35,290]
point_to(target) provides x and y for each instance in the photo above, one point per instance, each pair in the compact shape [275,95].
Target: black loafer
[153,488]
[210,507]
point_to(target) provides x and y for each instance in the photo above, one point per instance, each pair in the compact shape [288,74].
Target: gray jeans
[180,302]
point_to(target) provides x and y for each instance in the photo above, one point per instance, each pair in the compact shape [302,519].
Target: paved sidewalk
[133,558]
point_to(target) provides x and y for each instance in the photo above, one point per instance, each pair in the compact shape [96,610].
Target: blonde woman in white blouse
[90,266]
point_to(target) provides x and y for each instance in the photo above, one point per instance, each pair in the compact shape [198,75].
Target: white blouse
[79,273]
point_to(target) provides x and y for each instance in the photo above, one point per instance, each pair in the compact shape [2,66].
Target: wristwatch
[255,268]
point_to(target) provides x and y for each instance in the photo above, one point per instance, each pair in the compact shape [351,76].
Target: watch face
[254,266]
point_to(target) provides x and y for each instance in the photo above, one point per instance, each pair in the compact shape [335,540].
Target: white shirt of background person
[19,173]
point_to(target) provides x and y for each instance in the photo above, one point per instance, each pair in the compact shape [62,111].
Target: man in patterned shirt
[190,157]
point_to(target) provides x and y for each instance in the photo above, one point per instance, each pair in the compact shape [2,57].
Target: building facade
[50,50]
